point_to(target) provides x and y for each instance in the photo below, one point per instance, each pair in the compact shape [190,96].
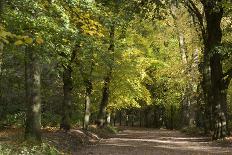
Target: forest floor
[129,141]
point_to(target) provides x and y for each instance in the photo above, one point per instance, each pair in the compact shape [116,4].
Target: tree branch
[193,8]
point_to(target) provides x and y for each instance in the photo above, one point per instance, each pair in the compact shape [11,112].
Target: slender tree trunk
[171,119]
[67,100]
[87,103]
[132,119]
[140,118]
[127,119]
[120,118]
[104,102]
[114,117]
[88,92]
[107,80]
[33,99]
[207,94]
[108,118]
[1,61]
[67,92]
[146,118]
[186,97]
[89,88]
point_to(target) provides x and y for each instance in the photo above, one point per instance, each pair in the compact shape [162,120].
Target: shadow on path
[154,142]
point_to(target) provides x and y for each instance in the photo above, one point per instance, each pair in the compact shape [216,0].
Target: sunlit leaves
[39,40]
[19,42]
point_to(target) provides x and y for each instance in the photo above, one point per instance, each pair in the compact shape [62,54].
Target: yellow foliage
[39,40]
[19,42]
[28,40]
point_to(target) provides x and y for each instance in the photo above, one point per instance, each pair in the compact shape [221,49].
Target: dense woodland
[142,63]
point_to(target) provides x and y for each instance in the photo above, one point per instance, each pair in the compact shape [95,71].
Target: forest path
[155,142]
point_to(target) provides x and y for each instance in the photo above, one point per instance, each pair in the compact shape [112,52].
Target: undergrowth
[26,149]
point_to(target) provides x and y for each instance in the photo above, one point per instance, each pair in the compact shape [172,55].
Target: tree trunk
[171,119]
[207,94]
[213,15]
[127,119]
[219,96]
[132,119]
[120,118]
[108,118]
[107,80]
[140,118]
[87,103]
[186,103]
[33,98]
[104,102]
[67,100]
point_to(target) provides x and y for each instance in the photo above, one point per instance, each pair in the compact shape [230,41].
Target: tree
[214,84]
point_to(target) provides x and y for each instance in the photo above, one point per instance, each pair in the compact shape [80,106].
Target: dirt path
[154,142]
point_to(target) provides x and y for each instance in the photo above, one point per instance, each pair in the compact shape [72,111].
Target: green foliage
[148,69]
[44,148]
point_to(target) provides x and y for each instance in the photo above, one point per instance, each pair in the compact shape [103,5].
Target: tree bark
[172,116]
[120,118]
[104,102]
[213,83]
[108,118]
[67,100]
[33,98]
[89,88]
[213,14]
[65,123]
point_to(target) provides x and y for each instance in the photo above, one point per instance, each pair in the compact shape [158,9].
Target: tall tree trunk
[33,99]
[207,92]
[171,118]
[88,93]
[120,118]
[204,66]
[1,43]
[114,123]
[67,100]
[1,62]
[213,15]
[104,102]
[108,118]
[186,97]
[67,91]
[213,82]
[107,80]
[219,96]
